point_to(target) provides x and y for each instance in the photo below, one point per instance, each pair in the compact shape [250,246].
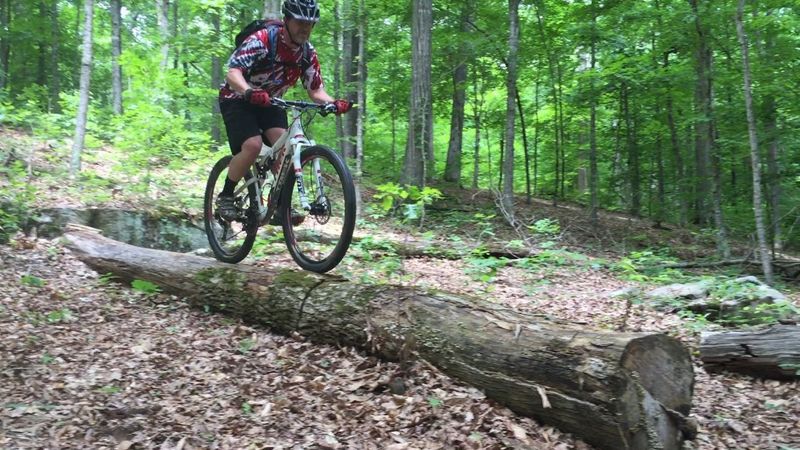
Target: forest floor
[89,363]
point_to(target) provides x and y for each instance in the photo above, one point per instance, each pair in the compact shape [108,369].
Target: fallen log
[613,390]
[769,353]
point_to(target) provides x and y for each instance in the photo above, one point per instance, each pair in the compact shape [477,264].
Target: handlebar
[324,109]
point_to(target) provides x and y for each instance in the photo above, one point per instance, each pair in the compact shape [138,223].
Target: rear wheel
[319,238]
[230,240]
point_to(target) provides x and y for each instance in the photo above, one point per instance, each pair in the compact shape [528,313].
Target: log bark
[769,353]
[613,390]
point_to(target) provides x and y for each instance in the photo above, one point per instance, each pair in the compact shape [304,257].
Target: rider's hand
[342,106]
[258,97]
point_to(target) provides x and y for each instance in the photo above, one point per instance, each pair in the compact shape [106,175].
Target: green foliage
[16,198]
[246,344]
[60,315]
[145,287]
[551,258]
[648,265]
[484,268]
[109,389]
[31,280]
[435,402]
[547,227]
[408,201]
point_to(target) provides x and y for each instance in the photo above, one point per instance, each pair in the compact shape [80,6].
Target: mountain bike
[307,186]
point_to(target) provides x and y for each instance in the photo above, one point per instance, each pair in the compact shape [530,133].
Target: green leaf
[31,280]
[434,402]
[145,287]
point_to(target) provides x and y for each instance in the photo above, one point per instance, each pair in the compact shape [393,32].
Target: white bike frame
[293,140]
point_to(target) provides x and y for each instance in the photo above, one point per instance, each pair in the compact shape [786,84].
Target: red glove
[342,106]
[258,97]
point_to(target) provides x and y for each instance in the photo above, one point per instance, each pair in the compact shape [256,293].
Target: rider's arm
[320,96]
[236,80]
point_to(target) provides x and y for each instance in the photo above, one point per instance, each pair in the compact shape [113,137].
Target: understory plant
[406,201]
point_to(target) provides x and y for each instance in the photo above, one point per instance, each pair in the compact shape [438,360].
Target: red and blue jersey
[253,59]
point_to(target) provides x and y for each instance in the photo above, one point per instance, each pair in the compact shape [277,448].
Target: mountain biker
[256,73]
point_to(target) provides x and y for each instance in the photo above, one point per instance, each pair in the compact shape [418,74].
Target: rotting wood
[613,390]
[773,352]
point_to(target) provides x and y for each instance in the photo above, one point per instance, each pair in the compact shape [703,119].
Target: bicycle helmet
[305,10]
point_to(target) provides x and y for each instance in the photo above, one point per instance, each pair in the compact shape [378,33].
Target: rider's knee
[252,145]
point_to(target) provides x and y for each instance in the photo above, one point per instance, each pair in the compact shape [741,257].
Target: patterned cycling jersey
[253,60]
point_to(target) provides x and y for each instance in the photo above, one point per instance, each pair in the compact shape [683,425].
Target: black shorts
[243,121]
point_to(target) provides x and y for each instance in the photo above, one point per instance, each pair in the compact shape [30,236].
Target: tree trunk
[703,102]
[216,81]
[42,53]
[613,390]
[680,178]
[511,96]
[55,62]
[772,139]
[419,145]
[361,100]
[633,171]
[554,92]
[162,12]
[770,353]
[350,75]
[5,45]
[83,105]
[116,51]
[536,137]
[524,148]
[337,70]
[272,9]
[452,169]
[477,104]
[593,175]
[755,158]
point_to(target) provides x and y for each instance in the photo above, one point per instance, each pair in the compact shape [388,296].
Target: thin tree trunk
[502,148]
[525,149]
[173,33]
[162,8]
[773,153]
[350,75]
[362,100]
[337,69]
[536,137]
[420,122]
[703,122]
[216,80]
[272,9]
[723,248]
[476,114]
[55,73]
[633,170]
[755,158]
[83,105]
[116,51]
[511,96]
[680,178]
[5,45]
[593,175]
[42,52]
[554,92]
[452,171]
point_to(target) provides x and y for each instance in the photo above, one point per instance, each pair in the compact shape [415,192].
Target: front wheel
[230,239]
[319,237]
